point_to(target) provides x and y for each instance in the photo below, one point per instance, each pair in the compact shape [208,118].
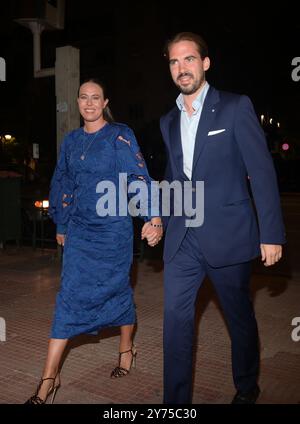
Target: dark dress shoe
[246,398]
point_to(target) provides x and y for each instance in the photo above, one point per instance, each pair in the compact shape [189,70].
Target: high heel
[120,371]
[36,400]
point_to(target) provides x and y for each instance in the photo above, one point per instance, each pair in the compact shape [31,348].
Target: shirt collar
[197,103]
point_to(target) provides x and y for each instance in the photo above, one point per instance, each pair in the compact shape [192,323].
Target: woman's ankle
[50,373]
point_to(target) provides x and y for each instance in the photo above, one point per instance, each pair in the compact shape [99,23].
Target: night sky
[251,51]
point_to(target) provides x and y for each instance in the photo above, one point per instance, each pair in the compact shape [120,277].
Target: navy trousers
[183,277]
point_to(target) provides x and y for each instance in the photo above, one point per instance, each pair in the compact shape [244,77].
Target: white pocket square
[216,132]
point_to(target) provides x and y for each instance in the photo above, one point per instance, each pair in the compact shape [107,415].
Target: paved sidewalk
[29,281]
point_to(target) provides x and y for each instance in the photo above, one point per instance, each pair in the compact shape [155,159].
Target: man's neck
[189,98]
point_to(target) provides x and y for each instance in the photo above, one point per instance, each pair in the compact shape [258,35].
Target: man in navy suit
[215,137]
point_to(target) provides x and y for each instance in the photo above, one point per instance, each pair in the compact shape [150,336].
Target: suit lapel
[175,140]
[205,122]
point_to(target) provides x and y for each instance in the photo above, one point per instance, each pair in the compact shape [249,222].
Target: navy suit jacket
[226,161]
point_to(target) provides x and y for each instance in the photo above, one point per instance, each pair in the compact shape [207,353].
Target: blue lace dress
[95,289]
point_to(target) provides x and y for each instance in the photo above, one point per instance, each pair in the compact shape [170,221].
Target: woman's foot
[127,360]
[46,387]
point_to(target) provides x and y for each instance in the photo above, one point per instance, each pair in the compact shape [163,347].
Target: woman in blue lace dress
[95,289]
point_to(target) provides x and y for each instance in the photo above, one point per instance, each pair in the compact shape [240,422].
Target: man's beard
[191,89]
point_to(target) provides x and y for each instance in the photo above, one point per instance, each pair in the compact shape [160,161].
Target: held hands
[151,233]
[270,253]
[60,238]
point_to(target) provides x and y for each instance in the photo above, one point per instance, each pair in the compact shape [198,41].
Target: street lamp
[41,204]
[262,119]
[7,138]
[41,215]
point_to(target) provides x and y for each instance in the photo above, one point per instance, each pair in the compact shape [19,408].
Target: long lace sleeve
[61,191]
[143,192]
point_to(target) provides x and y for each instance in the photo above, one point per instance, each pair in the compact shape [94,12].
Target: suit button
[193,189]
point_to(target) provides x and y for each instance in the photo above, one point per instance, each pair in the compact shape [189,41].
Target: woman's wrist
[156,222]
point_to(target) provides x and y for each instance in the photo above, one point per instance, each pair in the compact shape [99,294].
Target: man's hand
[60,238]
[270,253]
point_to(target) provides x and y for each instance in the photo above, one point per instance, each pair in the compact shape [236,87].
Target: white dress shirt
[188,128]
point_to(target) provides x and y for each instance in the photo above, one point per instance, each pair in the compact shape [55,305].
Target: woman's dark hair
[188,36]
[107,114]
